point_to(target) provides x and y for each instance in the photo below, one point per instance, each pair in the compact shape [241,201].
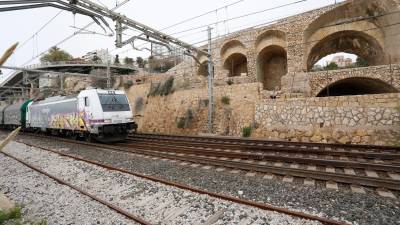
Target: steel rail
[63,182]
[258,141]
[259,205]
[317,175]
[288,148]
[219,153]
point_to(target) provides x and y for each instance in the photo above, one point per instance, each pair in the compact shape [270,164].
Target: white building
[342,62]
[102,54]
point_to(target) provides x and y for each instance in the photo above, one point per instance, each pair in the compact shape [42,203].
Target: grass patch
[226,100]
[14,213]
[246,131]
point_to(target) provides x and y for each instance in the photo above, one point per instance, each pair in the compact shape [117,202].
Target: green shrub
[181,123]
[162,89]
[246,131]
[184,122]
[225,100]
[128,84]
[14,213]
[167,86]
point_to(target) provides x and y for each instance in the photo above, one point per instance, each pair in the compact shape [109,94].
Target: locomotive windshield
[114,102]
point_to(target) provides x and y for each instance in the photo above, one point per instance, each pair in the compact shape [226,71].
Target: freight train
[93,114]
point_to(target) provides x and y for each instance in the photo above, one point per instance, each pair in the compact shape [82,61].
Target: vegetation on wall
[226,100]
[360,62]
[229,82]
[184,122]
[138,104]
[246,131]
[163,88]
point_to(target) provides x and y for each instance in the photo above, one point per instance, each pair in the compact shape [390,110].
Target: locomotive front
[107,114]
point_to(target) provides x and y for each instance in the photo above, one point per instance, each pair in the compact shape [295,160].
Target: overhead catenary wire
[287,22]
[39,30]
[314,41]
[73,34]
[242,16]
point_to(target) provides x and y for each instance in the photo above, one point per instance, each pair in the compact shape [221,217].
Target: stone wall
[372,119]
[160,114]
[296,114]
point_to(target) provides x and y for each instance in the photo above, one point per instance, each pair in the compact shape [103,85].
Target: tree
[360,62]
[116,60]
[140,62]
[128,61]
[331,66]
[96,59]
[55,54]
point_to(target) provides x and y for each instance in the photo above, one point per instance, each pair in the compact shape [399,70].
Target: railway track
[39,161]
[360,170]
[380,173]
[370,166]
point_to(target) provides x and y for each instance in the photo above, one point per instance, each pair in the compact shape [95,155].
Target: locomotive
[93,114]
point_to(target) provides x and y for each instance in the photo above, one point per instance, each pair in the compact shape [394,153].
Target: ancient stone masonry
[333,119]
[268,74]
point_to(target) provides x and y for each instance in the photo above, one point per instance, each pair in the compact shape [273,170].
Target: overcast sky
[19,26]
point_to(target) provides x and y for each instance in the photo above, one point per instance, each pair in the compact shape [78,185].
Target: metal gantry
[98,13]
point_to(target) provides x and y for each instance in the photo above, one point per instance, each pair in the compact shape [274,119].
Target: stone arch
[231,47]
[236,64]
[357,86]
[270,37]
[370,17]
[348,41]
[271,66]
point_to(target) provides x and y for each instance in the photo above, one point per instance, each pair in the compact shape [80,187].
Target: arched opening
[236,64]
[340,60]
[357,86]
[351,42]
[271,66]
[203,69]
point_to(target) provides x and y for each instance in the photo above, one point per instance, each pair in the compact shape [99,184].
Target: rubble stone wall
[372,119]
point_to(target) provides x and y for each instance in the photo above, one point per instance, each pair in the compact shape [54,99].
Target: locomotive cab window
[86,99]
[114,102]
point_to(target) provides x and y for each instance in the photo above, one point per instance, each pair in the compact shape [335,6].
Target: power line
[40,29]
[314,41]
[196,17]
[325,26]
[203,14]
[74,34]
[239,17]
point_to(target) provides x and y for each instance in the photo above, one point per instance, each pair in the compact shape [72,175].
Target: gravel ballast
[154,202]
[43,199]
[342,205]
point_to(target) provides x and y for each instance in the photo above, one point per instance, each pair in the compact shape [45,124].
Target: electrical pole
[210,85]
[108,71]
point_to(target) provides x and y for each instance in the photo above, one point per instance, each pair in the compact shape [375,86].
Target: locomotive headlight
[130,119]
